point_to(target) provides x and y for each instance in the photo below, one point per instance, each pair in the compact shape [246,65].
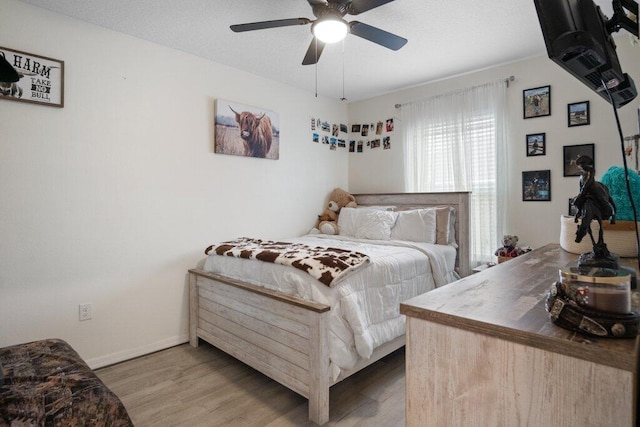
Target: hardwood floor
[186,386]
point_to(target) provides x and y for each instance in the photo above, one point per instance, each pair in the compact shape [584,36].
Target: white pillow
[376,225]
[452,229]
[348,221]
[445,226]
[357,222]
[418,225]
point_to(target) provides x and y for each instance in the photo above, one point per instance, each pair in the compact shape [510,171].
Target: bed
[292,331]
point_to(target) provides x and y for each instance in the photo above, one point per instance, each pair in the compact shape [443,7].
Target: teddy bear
[328,221]
[509,248]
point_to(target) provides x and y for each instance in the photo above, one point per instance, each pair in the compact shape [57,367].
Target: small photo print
[386,143]
[536,186]
[375,143]
[389,125]
[379,128]
[537,102]
[360,144]
[316,137]
[571,153]
[343,128]
[355,128]
[365,130]
[352,146]
[578,114]
[536,144]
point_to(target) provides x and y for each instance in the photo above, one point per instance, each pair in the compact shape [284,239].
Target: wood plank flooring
[186,386]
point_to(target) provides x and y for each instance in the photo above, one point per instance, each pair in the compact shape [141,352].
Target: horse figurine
[593,202]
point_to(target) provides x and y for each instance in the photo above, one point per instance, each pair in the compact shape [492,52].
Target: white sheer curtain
[456,142]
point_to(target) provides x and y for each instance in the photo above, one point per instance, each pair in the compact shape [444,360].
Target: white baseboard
[121,356]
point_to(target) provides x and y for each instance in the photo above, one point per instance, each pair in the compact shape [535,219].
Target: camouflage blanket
[46,383]
[327,265]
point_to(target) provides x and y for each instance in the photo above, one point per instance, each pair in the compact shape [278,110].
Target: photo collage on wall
[536,184]
[361,136]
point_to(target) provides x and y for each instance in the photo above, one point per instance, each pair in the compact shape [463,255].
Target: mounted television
[578,38]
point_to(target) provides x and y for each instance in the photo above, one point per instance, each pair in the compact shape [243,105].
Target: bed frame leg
[193,310]
[319,406]
[319,361]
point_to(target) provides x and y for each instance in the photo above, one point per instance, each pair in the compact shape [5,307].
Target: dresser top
[508,302]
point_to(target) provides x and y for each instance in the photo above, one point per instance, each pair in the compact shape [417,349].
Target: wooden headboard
[404,201]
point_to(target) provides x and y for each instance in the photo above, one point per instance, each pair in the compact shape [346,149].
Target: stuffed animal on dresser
[509,248]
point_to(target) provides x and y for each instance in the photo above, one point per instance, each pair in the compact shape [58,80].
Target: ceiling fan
[330,14]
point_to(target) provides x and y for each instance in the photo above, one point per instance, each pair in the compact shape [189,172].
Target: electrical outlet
[85,311]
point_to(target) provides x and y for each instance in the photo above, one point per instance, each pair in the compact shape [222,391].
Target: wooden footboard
[279,335]
[283,337]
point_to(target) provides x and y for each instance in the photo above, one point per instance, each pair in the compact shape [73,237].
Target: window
[453,143]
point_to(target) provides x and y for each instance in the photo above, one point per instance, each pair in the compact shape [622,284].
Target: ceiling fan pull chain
[343,98]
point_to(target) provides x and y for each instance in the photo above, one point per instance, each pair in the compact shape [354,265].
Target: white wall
[112,198]
[536,223]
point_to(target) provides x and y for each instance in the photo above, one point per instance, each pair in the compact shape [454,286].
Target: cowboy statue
[593,202]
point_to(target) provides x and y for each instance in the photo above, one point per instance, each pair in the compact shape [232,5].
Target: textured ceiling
[445,38]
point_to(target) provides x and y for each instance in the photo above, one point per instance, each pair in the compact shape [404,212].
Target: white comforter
[365,305]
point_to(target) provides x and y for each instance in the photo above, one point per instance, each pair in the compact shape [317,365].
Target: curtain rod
[507,80]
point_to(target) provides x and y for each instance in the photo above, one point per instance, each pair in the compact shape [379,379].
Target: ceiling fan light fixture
[330,30]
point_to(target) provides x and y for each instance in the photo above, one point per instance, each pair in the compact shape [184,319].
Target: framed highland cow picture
[244,130]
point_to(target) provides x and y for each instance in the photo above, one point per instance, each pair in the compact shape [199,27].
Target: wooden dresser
[483,352]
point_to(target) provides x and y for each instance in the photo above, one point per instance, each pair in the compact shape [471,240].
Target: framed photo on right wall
[536,186]
[536,144]
[578,114]
[570,154]
[536,102]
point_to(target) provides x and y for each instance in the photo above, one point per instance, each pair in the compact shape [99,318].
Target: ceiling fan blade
[314,52]
[359,6]
[317,2]
[269,24]
[376,35]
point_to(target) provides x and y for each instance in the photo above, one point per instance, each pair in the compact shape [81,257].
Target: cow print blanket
[325,264]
